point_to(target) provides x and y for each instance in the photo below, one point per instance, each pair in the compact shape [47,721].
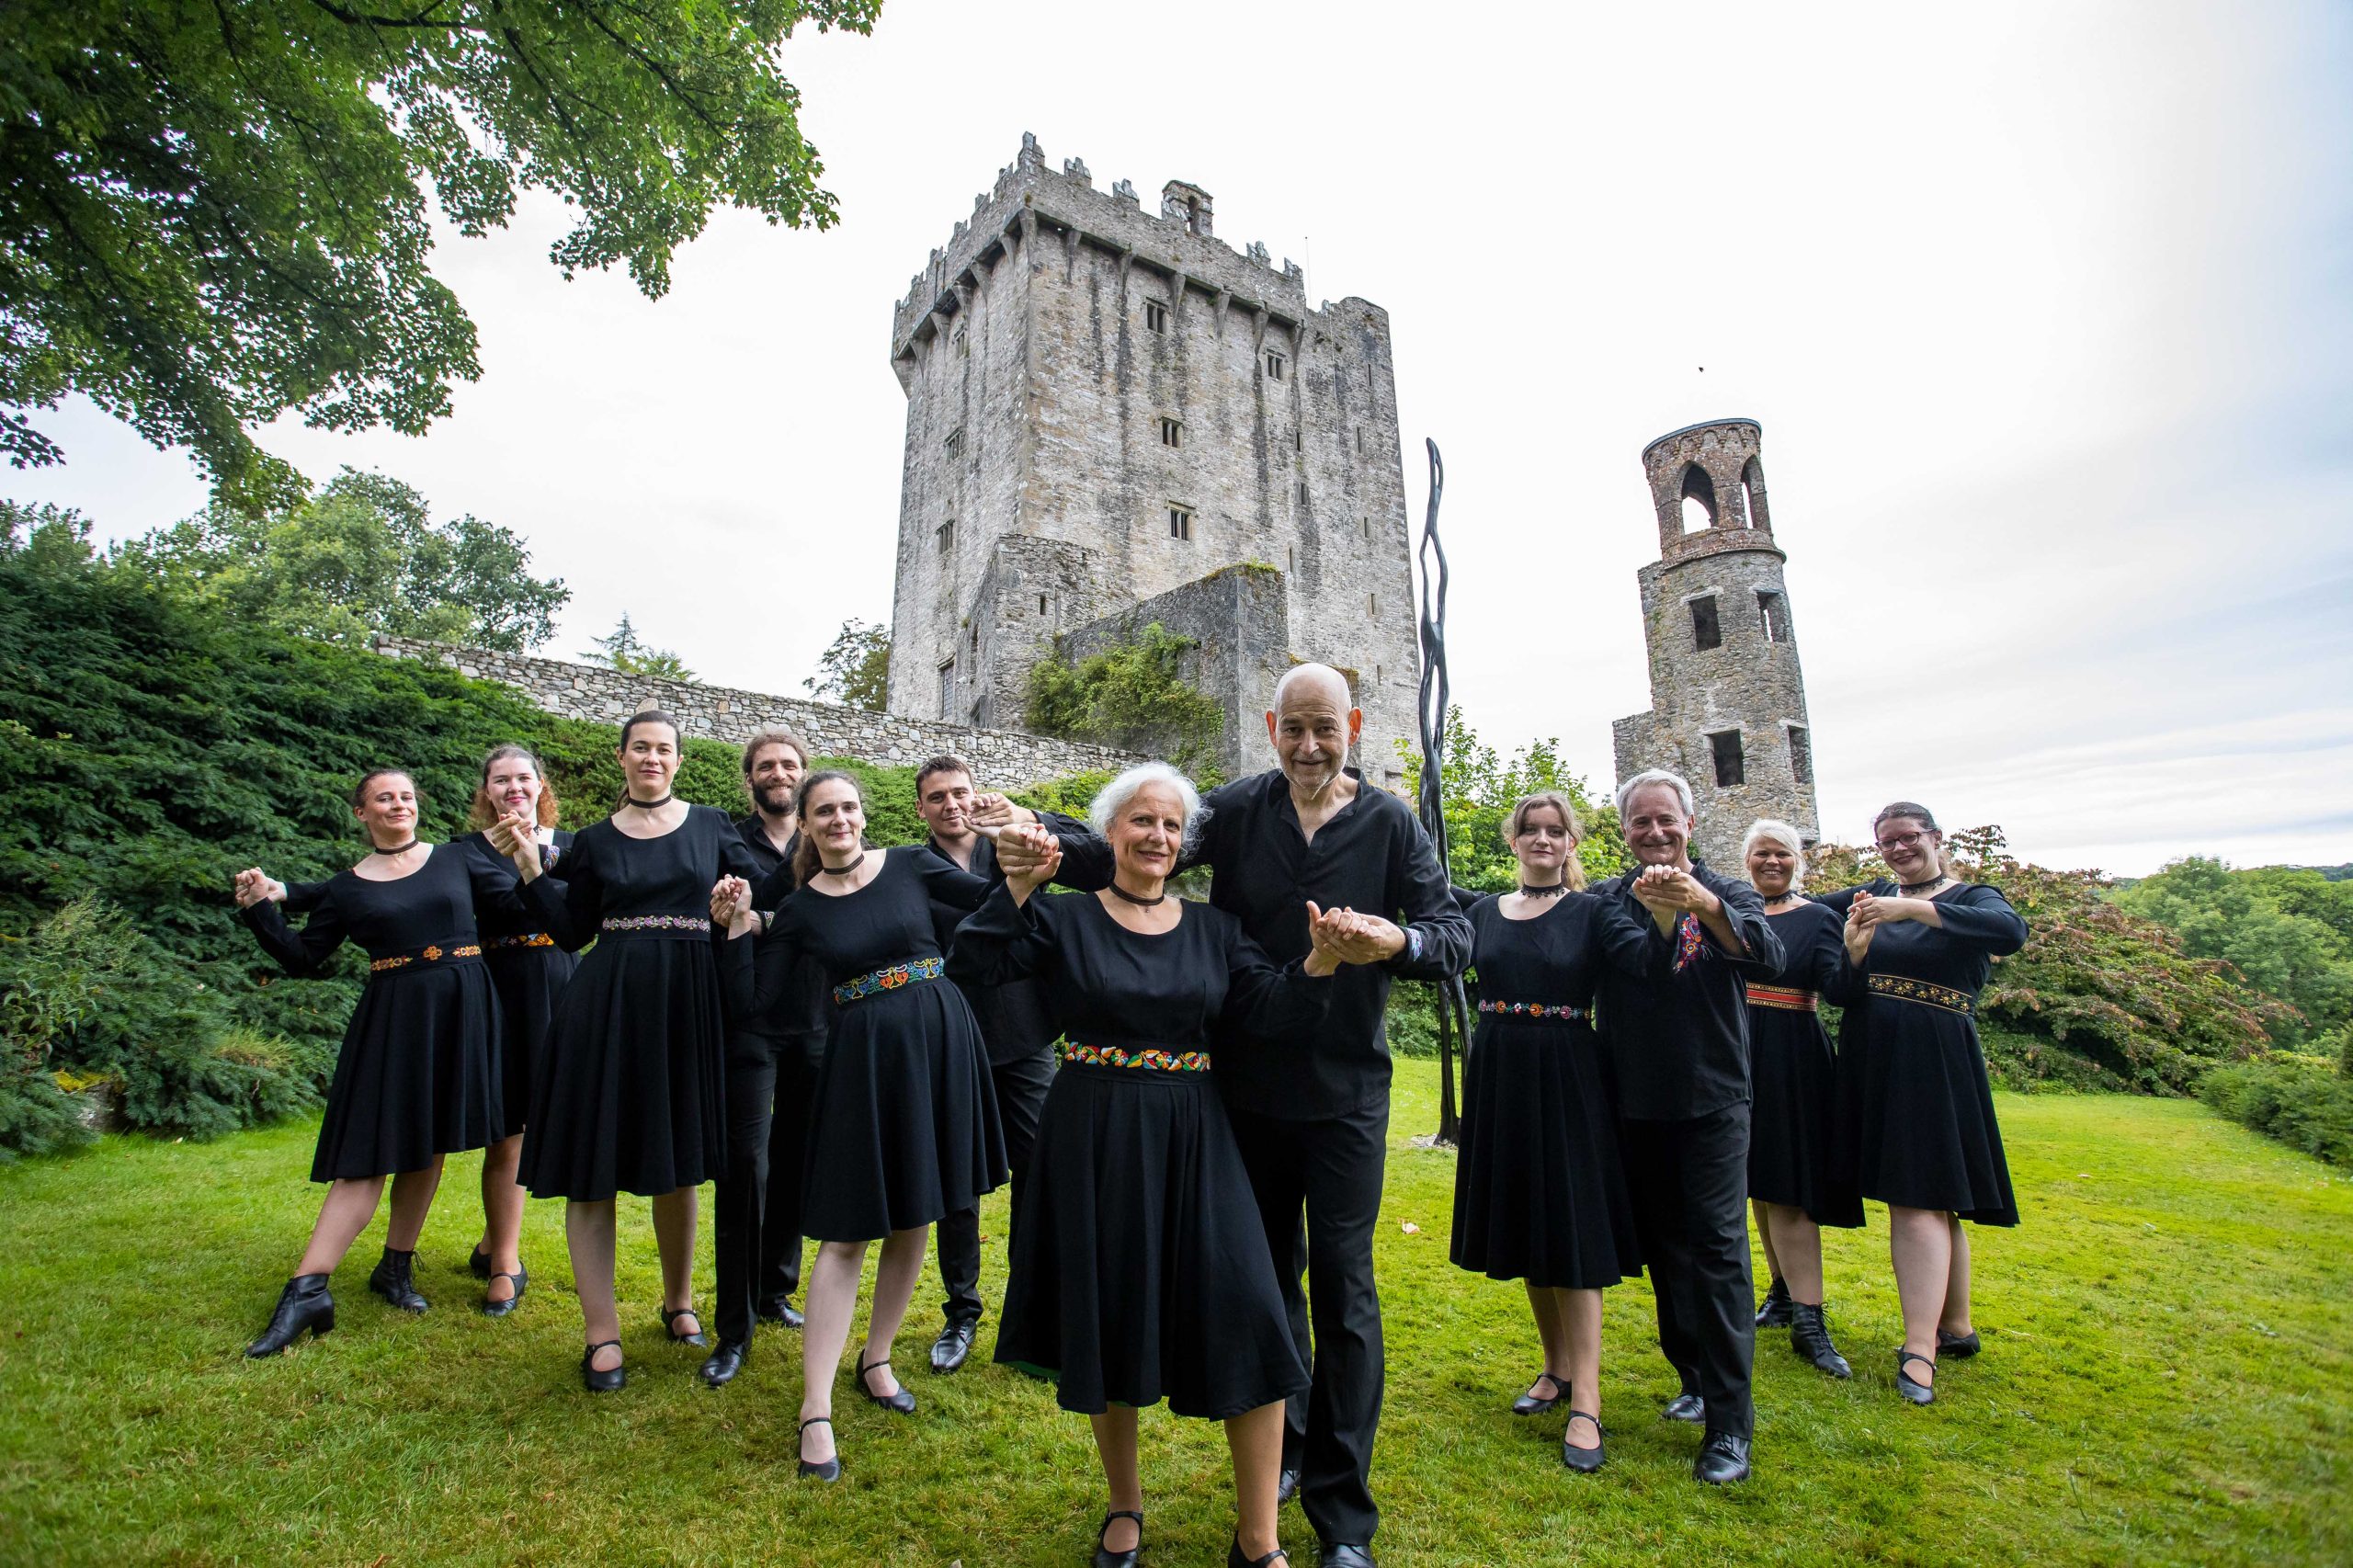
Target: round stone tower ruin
[1727,698]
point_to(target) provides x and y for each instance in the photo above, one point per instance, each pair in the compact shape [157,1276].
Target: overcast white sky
[2043,308]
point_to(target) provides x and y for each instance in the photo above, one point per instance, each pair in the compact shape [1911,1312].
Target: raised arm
[1631,944]
[1008,937]
[1436,932]
[496,884]
[1979,916]
[1269,999]
[572,906]
[298,953]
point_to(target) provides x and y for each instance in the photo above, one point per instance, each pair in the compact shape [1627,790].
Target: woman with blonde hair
[1540,1195]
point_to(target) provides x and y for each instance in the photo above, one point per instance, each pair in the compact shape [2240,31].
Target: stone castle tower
[1727,700]
[1114,418]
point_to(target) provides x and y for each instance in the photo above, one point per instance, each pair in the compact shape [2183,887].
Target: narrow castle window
[1359,441]
[1273,366]
[1155,315]
[947,688]
[1290,559]
[1298,440]
[1042,604]
[1773,616]
[944,536]
[1801,756]
[1171,433]
[1699,499]
[963,347]
[1180,523]
[1367,527]
[1302,492]
[1705,633]
[1371,605]
[1726,746]
[955,442]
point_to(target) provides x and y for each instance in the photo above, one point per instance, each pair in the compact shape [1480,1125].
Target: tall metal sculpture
[1453,1009]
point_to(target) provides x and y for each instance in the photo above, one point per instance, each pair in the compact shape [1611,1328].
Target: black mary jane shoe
[395,1280]
[670,1326]
[521,1279]
[899,1403]
[303,1307]
[1533,1404]
[1773,1312]
[1810,1338]
[1233,1557]
[1585,1461]
[1724,1458]
[824,1470]
[1917,1393]
[1960,1346]
[1686,1407]
[1107,1557]
[479,1263]
[718,1368]
[595,1382]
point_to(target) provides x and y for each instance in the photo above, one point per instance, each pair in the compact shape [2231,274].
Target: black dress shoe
[899,1403]
[1107,1557]
[1919,1393]
[1724,1458]
[1286,1486]
[1337,1554]
[395,1280]
[954,1343]
[1686,1407]
[522,1281]
[1533,1404]
[595,1382]
[1810,1338]
[1233,1557]
[718,1368]
[824,1470]
[479,1263]
[1773,1312]
[670,1326]
[1585,1461]
[303,1307]
[1959,1346]
[788,1315]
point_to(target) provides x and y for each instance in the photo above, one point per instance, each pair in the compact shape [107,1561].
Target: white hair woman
[1540,1192]
[1916,1111]
[1794,1076]
[1140,1269]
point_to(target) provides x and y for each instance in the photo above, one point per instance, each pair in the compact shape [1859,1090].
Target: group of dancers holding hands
[857,1044]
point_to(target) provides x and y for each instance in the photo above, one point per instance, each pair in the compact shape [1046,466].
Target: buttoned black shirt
[1678,1041]
[1371,857]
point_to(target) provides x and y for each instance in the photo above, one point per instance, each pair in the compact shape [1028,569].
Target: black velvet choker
[1118,891]
[395,850]
[651,805]
[1907,887]
[845,871]
[1554,890]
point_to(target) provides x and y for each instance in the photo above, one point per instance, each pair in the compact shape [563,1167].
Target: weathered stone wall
[1750,684]
[1003,760]
[1041,351]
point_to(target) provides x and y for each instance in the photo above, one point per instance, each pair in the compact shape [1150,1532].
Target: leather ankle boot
[1773,1312]
[394,1280]
[303,1306]
[1810,1338]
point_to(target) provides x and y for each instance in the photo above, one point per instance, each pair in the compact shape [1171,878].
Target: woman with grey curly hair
[1140,1269]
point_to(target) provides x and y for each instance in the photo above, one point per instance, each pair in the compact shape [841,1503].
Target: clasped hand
[1343,935]
[1669,889]
[516,836]
[254,885]
[1028,855]
[731,903]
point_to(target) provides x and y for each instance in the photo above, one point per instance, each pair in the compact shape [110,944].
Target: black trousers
[1318,1186]
[1689,1185]
[1021,1085]
[756,1234]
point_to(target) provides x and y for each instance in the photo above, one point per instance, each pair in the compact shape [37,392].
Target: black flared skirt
[630,1095]
[905,1126]
[1539,1193]
[418,1074]
[529,980]
[1792,1157]
[1917,1125]
[1140,1266]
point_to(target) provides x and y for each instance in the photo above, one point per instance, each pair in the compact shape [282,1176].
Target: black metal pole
[1454,1011]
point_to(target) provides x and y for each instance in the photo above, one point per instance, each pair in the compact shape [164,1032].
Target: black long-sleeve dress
[1916,1109]
[1794,1072]
[1540,1192]
[1139,1262]
[418,1073]
[907,1124]
[632,1095]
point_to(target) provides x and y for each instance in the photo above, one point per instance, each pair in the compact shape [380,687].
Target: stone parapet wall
[1002,759]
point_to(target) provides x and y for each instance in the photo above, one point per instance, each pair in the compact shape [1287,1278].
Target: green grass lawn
[2165,1379]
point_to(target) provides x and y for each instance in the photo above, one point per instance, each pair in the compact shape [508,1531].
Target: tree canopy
[211,214]
[854,669]
[627,652]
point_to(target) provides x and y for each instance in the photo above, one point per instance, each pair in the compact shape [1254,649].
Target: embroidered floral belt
[896,977]
[689,924]
[520,939]
[1530,1010]
[1788,996]
[436,952]
[1904,989]
[1149,1060]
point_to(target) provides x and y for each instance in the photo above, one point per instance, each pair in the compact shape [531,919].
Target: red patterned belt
[522,940]
[1151,1060]
[1788,996]
[1903,988]
[898,977]
[436,952]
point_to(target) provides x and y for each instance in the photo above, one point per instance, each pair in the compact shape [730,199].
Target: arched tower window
[1752,484]
[1699,499]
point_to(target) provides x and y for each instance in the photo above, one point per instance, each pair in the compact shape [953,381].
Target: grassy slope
[2166,1378]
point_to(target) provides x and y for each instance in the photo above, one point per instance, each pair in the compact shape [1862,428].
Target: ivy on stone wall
[1133,695]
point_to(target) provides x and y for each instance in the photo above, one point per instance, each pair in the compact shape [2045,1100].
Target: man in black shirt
[1019,1037]
[1312,1112]
[1677,1039]
[772,1061]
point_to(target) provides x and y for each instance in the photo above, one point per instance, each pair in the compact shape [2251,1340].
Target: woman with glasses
[1917,1125]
